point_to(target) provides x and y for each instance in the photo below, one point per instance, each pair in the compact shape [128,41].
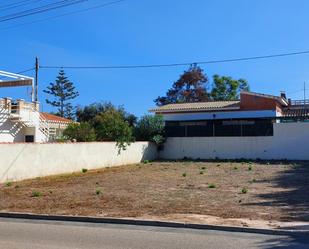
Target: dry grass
[224,189]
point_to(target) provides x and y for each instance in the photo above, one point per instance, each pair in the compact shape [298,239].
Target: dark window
[29,139]
[220,128]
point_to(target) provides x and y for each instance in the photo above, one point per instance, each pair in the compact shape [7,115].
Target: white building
[22,121]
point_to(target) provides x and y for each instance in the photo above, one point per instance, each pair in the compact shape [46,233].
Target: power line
[41,9]
[23,71]
[19,5]
[65,14]
[12,4]
[179,64]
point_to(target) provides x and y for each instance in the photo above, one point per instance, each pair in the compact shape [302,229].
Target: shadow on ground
[292,195]
[287,242]
[293,200]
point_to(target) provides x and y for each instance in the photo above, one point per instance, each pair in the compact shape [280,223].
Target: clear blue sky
[161,31]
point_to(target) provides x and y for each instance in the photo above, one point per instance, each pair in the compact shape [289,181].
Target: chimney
[290,102]
[283,95]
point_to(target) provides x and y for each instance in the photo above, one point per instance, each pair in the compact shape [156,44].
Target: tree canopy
[190,87]
[226,88]
[193,84]
[150,128]
[62,90]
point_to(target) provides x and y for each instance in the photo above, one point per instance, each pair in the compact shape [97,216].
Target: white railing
[300,102]
[43,126]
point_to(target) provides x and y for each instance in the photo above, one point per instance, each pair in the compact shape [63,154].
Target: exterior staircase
[31,118]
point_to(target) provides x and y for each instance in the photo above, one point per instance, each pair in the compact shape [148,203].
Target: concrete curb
[136,222]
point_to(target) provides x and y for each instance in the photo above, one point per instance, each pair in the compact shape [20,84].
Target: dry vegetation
[276,191]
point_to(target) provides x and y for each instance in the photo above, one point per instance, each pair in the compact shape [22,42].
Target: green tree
[88,113]
[62,90]
[111,126]
[226,88]
[150,128]
[82,132]
[190,87]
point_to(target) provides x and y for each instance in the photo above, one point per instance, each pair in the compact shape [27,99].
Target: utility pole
[36,89]
[305,91]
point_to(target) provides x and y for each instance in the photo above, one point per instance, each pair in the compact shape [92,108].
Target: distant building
[252,115]
[22,121]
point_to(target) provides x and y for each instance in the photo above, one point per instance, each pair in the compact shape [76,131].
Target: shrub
[98,191]
[111,126]
[201,172]
[36,194]
[184,174]
[203,168]
[82,132]
[84,170]
[250,168]
[146,161]
[235,168]
[244,190]
[211,185]
[8,184]
[150,128]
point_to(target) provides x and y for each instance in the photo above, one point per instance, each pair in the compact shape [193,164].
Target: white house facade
[21,121]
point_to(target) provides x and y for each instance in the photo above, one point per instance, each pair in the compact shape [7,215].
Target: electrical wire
[41,9]
[180,64]
[12,4]
[65,14]
[20,5]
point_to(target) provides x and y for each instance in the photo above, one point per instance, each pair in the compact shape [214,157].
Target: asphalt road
[25,234]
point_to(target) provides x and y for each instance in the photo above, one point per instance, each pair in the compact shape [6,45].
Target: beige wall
[23,161]
[290,141]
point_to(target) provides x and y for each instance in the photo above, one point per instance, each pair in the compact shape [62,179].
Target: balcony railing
[300,102]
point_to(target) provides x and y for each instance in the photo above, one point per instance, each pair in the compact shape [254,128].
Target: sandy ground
[249,194]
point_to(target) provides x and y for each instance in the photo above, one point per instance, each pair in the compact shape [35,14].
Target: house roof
[281,100]
[198,106]
[302,112]
[54,118]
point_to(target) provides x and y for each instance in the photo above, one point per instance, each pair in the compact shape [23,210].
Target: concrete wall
[23,161]
[290,141]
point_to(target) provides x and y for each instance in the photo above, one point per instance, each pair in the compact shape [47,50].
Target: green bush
[244,190]
[36,194]
[111,126]
[82,132]
[84,170]
[8,184]
[150,128]
[211,185]
[98,191]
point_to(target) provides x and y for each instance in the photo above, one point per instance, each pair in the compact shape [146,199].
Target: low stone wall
[290,141]
[24,161]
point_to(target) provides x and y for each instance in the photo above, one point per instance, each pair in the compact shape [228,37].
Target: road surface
[25,234]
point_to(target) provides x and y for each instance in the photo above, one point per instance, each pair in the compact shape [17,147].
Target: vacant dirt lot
[170,190]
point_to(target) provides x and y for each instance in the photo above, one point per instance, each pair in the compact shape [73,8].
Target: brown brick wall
[251,102]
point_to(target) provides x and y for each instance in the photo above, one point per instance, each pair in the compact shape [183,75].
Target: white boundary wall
[290,141]
[24,161]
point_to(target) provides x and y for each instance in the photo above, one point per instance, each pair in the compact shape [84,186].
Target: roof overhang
[16,80]
[16,83]
[160,111]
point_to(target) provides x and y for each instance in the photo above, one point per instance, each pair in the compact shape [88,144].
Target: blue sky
[161,31]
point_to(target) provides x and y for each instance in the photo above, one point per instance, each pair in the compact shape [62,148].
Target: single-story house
[252,115]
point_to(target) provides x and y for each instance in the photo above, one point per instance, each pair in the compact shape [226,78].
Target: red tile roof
[51,117]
